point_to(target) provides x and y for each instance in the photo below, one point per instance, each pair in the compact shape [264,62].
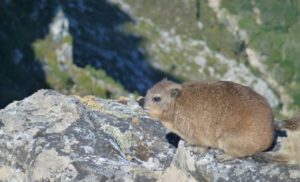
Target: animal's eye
[156,99]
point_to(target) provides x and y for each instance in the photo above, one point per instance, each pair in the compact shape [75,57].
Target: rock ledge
[52,137]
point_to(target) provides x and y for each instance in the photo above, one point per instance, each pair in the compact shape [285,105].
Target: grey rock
[52,137]
[204,167]
[49,136]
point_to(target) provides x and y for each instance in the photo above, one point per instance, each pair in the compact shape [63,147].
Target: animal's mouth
[153,113]
[149,112]
[146,109]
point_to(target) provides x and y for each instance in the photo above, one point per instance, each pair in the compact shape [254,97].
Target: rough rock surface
[52,137]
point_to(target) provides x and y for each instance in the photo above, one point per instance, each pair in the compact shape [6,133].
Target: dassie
[217,114]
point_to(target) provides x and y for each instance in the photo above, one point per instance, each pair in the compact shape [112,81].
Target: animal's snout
[141,101]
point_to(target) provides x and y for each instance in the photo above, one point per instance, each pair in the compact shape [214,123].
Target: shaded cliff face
[53,137]
[115,47]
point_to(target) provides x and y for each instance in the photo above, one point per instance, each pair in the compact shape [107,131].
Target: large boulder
[52,137]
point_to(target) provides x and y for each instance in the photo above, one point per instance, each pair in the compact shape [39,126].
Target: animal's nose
[141,101]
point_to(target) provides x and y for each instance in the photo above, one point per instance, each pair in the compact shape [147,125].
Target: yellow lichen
[135,121]
[123,139]
[123,100]
[90,101]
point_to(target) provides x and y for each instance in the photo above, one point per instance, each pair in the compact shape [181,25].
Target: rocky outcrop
[52,137]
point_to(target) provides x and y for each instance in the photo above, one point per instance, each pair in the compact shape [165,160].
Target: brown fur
[219,114]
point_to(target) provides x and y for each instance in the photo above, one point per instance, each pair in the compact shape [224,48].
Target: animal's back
[224,115]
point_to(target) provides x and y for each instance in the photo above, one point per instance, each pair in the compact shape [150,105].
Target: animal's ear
[175,92]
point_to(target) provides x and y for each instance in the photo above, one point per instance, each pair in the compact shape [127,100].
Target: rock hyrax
[218,114]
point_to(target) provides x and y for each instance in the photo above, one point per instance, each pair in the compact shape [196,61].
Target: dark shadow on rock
[101,41]
[173,139]
[277,134]
[21,23]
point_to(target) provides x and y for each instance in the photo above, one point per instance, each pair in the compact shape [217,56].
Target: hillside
[116,47]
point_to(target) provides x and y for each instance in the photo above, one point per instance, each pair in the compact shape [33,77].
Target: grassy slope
[172,50]
[277,37]
[179,34]
[69,78]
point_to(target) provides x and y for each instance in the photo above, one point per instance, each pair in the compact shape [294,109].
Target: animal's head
[160,99]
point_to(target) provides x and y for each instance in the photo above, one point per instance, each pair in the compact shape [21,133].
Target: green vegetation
[170,37]
[181,17]
[65,76]
[277,37]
